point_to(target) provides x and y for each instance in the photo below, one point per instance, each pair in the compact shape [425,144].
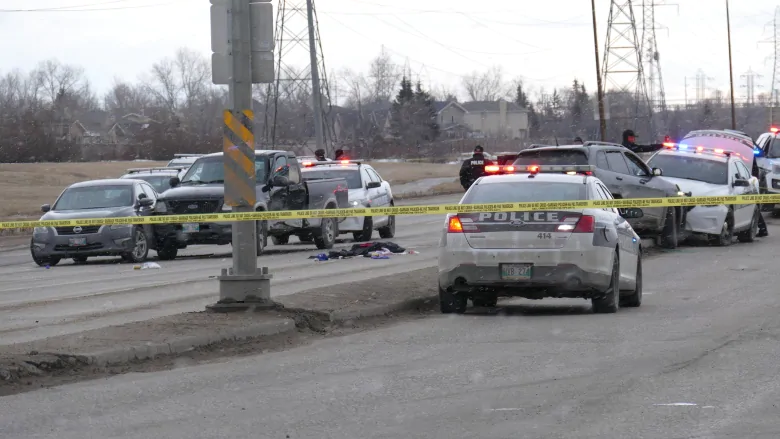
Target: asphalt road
[36,303]
[697,360]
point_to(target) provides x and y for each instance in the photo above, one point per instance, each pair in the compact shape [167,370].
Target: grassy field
[26,186]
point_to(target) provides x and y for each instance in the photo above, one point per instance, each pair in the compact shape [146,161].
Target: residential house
[497,118]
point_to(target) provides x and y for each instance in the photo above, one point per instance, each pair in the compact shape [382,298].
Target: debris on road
[147,266]
[374,250]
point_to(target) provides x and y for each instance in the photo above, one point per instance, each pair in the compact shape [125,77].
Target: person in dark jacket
[629,141]
[320,154]
[339,155]
[578,141]
[762,229]
[473,168]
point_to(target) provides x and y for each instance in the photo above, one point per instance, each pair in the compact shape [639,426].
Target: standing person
[762,229]
[320,154]
[629,141]
[473,168]
[339,155]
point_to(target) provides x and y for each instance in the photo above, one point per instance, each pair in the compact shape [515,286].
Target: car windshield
[524,192]
[95,197]
[211,170]
[160,182]
[552,157]
[351,175]
[691,168]
[722,141]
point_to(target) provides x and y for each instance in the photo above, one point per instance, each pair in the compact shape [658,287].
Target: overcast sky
[548,43]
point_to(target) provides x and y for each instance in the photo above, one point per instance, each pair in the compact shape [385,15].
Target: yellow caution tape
[403,210]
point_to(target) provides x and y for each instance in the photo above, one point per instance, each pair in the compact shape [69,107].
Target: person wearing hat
[473,168]
[320,154]
[629,141]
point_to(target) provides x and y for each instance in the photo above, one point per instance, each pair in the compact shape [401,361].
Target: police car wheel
[388,231]
[634,299]
[726,235]
[451,302]
[750,234]
[610,302]
[368,230]
[669,238]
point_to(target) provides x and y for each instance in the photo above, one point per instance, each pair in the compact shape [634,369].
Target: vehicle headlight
[358,203]
[680,193]
[120,226]
[226,208]
[40,230]
[161,207]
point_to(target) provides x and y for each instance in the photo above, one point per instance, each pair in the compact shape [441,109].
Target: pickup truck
[279,186]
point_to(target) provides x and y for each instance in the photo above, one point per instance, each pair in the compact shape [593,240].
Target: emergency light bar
[698,149]
[309,164]
[569,169]
[188,155]
[170,168]
[774,129]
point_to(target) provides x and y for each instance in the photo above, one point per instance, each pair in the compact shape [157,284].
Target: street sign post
[244,286]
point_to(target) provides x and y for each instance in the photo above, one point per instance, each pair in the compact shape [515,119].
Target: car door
[282,197]
[628,249]
[373,194]
[643,185]
[743,213]
[148,190]
[626,185]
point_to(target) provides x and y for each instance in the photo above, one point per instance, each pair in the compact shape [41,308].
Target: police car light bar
[188,155]
[569,169]
[774,129]
[698,149]
[308,164]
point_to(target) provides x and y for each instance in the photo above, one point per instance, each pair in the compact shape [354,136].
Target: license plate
[190,228]
[516,271]
[76,242]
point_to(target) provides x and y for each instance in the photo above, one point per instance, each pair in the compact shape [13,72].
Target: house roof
[490,106]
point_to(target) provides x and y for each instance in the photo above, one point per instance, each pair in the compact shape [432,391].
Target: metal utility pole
[298,39]
[731,70]
[623,67]
[602,120]
[242,55]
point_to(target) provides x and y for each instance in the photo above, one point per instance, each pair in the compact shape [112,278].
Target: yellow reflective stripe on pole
[432,209]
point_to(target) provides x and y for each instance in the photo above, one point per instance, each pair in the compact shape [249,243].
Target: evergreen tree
[521,97]
[413,116]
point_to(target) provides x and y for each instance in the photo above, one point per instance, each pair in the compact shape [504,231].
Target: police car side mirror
[373,185]
[741,183]
[657,172]
[45,208]
[631,213]
[174,181]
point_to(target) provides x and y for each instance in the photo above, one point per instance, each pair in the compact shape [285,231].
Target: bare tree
[57,79]
[124,98]
[486,86]
[445,93]
[383,77]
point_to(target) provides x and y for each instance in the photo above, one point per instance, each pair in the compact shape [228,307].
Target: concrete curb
[380,310]
[126,354]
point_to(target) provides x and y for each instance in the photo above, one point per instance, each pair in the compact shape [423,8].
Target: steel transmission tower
[655,82]
[775,59]
[623,68]
[750,86]
[300,72]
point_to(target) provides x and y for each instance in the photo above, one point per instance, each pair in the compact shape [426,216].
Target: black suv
[626,176]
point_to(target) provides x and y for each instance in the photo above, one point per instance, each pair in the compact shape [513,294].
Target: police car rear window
[552,157]
[524,192]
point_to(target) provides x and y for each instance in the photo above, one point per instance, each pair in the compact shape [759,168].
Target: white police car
[768,160]
[590,253]
[706,172]
[366,189]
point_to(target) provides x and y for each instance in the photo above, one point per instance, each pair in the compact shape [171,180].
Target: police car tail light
[586,224]
[492,168]
[456,224]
